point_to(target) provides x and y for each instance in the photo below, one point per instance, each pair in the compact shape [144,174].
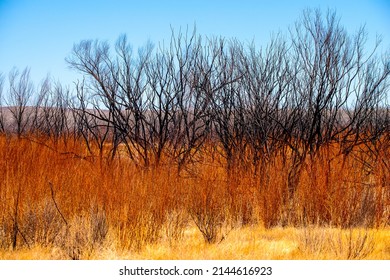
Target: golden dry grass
[58,202]
[249,243]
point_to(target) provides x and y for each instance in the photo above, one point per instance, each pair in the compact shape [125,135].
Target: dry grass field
[59,202]
[249,243]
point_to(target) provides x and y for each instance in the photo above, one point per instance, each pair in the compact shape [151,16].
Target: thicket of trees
[299,94]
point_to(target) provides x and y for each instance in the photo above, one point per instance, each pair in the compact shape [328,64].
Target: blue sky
[40,33]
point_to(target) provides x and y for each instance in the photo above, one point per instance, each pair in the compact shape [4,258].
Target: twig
[55,204]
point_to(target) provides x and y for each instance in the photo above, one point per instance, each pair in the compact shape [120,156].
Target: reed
[59,200]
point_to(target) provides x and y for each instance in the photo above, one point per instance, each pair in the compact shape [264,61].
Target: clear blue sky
[40,33]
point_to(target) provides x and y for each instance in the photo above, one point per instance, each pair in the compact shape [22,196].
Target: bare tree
[90,123]
[191,125]
[215,79]
[37,123]
[161,102]
[266,84]
[2,123]
[331,73]
[19,97]
[118,86]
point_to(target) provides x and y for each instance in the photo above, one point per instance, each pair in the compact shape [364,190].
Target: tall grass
[56,195]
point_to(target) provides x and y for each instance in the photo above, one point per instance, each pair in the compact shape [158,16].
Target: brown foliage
[63,198]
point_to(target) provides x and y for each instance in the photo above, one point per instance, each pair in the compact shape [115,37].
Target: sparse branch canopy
[19,98]
[315,88]
[2,124]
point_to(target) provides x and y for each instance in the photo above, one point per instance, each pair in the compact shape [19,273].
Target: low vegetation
[67,205]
